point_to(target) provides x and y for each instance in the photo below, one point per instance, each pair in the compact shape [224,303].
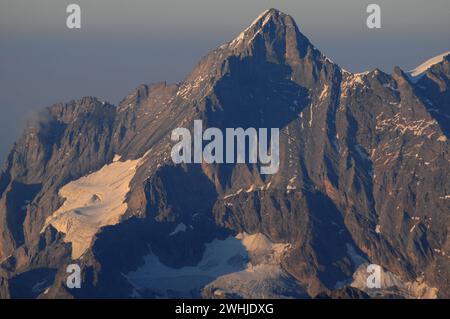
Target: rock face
[363,178]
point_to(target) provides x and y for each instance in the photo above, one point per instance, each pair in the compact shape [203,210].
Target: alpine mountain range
[363,179]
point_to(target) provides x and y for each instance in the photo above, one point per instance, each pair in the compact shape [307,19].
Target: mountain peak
[261,24]
[266,15]
[272,38]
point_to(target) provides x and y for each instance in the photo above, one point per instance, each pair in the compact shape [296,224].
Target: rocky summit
[363,179]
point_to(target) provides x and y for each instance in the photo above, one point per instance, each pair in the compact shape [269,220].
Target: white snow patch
[215,262]
[180,228]
[391,283]
[378,229]
[263,274]
[234,194]
[261,248]
[417,72]
[92,202]
[221,257]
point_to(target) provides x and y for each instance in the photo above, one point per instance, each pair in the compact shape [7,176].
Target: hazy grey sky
[124,43]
